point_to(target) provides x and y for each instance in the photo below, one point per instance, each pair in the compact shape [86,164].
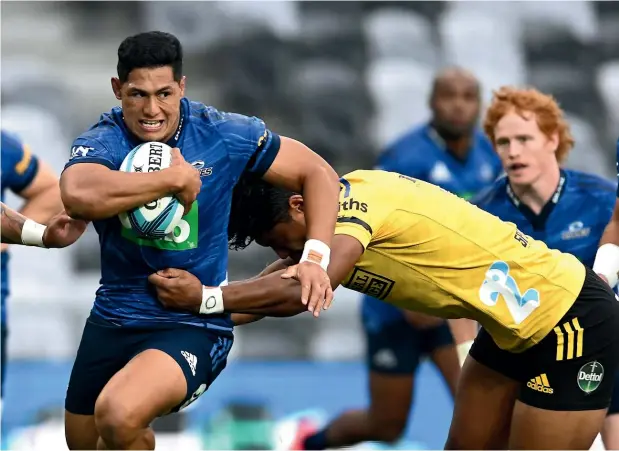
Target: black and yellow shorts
[574,366]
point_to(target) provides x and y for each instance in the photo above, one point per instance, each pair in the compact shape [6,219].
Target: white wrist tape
[316,251]
[607,263]
[463,350]
[212,301]
[32,233]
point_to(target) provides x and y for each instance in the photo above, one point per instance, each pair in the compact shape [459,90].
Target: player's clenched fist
[188,177]
[316,291]
[177,289]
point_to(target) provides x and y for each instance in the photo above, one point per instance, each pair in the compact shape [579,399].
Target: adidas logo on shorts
[192,360]
[540,384]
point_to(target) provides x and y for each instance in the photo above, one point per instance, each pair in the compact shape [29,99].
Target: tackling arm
[245,318]
[273,296]
[270,295]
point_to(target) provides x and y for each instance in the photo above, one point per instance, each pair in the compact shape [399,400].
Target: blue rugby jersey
[572,221]
[221,146]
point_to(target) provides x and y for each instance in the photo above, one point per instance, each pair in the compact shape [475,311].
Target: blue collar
[538,221]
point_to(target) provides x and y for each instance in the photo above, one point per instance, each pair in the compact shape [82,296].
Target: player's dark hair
[256,208]
[150,50]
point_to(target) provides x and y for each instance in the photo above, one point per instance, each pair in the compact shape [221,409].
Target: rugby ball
[158,218]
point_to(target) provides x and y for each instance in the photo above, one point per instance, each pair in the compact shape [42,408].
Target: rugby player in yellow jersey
[539,375]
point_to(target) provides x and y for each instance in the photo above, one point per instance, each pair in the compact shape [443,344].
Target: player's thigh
[570,376]
[535,428]
[150,385]
[104,349]
[173,368]
[487,391]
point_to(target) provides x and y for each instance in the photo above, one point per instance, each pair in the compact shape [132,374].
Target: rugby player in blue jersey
[607,266]
[568,210]
[137,360]
[35,182]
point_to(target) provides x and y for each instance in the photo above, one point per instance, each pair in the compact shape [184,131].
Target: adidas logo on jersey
[192,360]
[540,384]
[352,204]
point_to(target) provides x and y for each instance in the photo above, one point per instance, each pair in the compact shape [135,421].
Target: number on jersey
[498,283]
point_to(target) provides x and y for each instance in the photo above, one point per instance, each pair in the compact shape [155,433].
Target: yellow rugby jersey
[430,251]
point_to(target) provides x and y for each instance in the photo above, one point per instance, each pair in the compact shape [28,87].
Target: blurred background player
[138,361]
[452,152]
[606,265]
[566,209]
[35,182]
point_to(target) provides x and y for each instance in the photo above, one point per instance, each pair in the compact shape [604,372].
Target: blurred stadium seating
[346,78]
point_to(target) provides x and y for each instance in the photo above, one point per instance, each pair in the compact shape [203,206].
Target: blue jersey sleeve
[19,165]
[87,149]
[251,146]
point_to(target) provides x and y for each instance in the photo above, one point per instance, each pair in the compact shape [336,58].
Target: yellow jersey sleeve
[362,211]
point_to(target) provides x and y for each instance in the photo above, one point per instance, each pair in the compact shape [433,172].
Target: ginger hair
[548,115]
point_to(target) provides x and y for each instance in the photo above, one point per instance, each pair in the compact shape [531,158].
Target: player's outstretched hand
[177,289]
[188,177]
[316,291]
[62,231]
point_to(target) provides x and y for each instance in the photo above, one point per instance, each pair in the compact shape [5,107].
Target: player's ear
[116,85]
[554,141]
[181,84]
[296,202]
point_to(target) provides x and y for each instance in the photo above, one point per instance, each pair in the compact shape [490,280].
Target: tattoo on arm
[11,225]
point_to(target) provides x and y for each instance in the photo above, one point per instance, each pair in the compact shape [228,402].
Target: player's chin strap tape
[463,350]
[316,251]
[607,262]
[212,301]
[32,233]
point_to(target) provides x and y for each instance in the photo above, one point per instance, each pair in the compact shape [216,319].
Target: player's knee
[118,424]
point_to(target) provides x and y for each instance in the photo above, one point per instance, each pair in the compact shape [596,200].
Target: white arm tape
[212,301]
[32,233]
[316,251]
[463,350]
[607,262]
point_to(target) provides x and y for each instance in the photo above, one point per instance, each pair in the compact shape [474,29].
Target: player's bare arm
[299,169]
[270,295]
[12,224]
[606,263]
[61,230]
[42,195]
[92,191]
[245,318]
